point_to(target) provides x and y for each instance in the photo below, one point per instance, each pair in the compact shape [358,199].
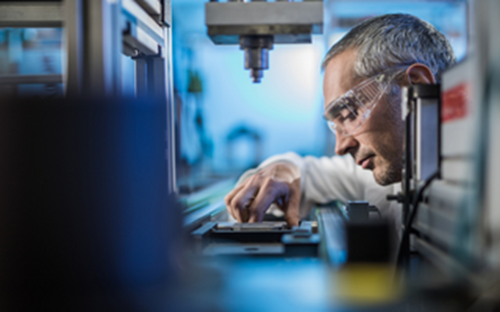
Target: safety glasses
[348,113]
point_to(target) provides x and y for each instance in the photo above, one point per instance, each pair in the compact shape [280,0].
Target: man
[363,76]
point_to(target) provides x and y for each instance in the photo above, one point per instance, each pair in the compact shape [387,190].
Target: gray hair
[393,40]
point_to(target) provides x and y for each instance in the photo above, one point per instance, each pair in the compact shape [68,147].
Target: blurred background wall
[228,124]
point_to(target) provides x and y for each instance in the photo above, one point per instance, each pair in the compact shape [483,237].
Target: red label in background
[455,103]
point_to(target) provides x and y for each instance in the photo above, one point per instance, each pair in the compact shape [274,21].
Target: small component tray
[256,239]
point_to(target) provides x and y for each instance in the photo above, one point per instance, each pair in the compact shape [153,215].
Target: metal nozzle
[256,54]
[256,60]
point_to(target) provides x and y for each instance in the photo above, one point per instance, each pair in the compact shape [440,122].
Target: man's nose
[344,143]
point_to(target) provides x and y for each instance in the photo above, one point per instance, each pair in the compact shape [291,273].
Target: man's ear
[419,73]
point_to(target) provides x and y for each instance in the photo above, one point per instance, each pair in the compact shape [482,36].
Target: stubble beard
[391,171]
[390,175]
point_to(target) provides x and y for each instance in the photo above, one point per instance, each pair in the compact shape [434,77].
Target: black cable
[405,241]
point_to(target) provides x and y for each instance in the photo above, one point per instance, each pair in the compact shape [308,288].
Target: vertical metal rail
[154,79]
[73,45]
[407,117]
[102,49]
[140,77]
[171,113]
[408,161]
[93,42]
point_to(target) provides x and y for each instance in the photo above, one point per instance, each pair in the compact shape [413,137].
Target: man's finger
[242,200]
[229,197]
[292,217]
[291,207]
[266,196]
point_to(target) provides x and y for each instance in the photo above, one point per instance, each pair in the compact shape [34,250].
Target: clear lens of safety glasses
[350,111]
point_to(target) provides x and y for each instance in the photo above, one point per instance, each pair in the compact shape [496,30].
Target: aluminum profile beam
[140,40]
[167,13]
[139,16]
[153,7]
[31,14]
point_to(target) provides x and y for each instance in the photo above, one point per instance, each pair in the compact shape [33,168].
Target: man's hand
[276,183]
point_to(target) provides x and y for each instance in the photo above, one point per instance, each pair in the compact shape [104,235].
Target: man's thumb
[292,215]
[292,219]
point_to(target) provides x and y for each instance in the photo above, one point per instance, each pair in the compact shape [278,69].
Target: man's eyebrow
[335,100]
[333,111]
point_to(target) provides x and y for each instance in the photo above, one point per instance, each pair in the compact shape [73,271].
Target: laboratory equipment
[256,26]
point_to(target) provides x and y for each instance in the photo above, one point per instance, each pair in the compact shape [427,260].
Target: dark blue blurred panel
[86,222]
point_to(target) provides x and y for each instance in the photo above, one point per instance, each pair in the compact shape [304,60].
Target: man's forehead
[339,75]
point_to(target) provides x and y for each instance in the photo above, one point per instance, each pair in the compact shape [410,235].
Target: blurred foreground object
[257,25]
[86,222]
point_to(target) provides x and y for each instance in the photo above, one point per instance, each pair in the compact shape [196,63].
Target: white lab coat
[327,179]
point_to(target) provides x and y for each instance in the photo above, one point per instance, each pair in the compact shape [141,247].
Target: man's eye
[346,110]
[347,114]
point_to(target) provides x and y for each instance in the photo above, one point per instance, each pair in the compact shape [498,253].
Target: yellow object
[365,284]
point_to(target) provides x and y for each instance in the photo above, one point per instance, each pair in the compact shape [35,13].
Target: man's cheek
[380,164]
